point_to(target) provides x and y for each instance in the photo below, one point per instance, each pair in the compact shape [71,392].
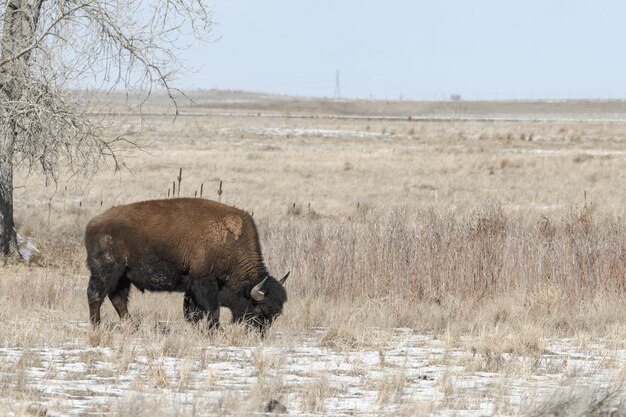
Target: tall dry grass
[432,255]
[431,270]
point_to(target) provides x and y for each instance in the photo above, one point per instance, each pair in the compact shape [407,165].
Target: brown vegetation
[502,256]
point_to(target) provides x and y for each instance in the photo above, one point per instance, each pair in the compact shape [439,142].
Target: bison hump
[234,225]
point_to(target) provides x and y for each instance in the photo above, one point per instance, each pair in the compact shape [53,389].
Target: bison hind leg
[96,292]
[105,280]
[119,297]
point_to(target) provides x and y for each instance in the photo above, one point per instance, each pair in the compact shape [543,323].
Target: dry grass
[494,240]
[575,401]
[315,394]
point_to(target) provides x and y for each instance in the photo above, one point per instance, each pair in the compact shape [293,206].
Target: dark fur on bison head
[260,304]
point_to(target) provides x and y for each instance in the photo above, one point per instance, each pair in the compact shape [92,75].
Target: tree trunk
[8,236]
[19,30]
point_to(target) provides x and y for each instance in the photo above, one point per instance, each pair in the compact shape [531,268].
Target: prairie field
[451,258]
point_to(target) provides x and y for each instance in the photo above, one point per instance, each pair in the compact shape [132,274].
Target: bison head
[266,301]
[267,298]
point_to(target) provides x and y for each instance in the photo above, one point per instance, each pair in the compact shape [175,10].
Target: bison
[208,250]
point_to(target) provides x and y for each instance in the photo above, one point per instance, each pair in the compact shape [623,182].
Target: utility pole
[337,93]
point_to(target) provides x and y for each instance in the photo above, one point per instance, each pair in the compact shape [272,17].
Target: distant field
[446,258]
[268,158]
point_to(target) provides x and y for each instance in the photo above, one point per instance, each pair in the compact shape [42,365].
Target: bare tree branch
[49,48]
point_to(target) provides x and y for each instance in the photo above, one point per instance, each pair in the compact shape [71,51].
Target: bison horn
[256,293]
[283,279]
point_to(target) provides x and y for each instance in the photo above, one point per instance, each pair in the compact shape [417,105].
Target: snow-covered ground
[305,132]
[416,373]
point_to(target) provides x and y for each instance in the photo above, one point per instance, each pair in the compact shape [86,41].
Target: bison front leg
[202,300]
[191,311]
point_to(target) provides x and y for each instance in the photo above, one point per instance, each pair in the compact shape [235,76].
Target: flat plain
[448,258]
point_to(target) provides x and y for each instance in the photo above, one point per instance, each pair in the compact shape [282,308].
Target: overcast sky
[415,49]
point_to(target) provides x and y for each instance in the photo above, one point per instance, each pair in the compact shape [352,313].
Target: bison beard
[207,250]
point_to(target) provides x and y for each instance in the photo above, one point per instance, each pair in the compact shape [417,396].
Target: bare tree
[49,48]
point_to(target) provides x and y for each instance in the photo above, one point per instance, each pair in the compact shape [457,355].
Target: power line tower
[337,93]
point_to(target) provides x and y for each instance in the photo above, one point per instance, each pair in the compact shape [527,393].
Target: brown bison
[208,250]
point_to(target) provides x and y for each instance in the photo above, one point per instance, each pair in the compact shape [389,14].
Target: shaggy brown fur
[208,250]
